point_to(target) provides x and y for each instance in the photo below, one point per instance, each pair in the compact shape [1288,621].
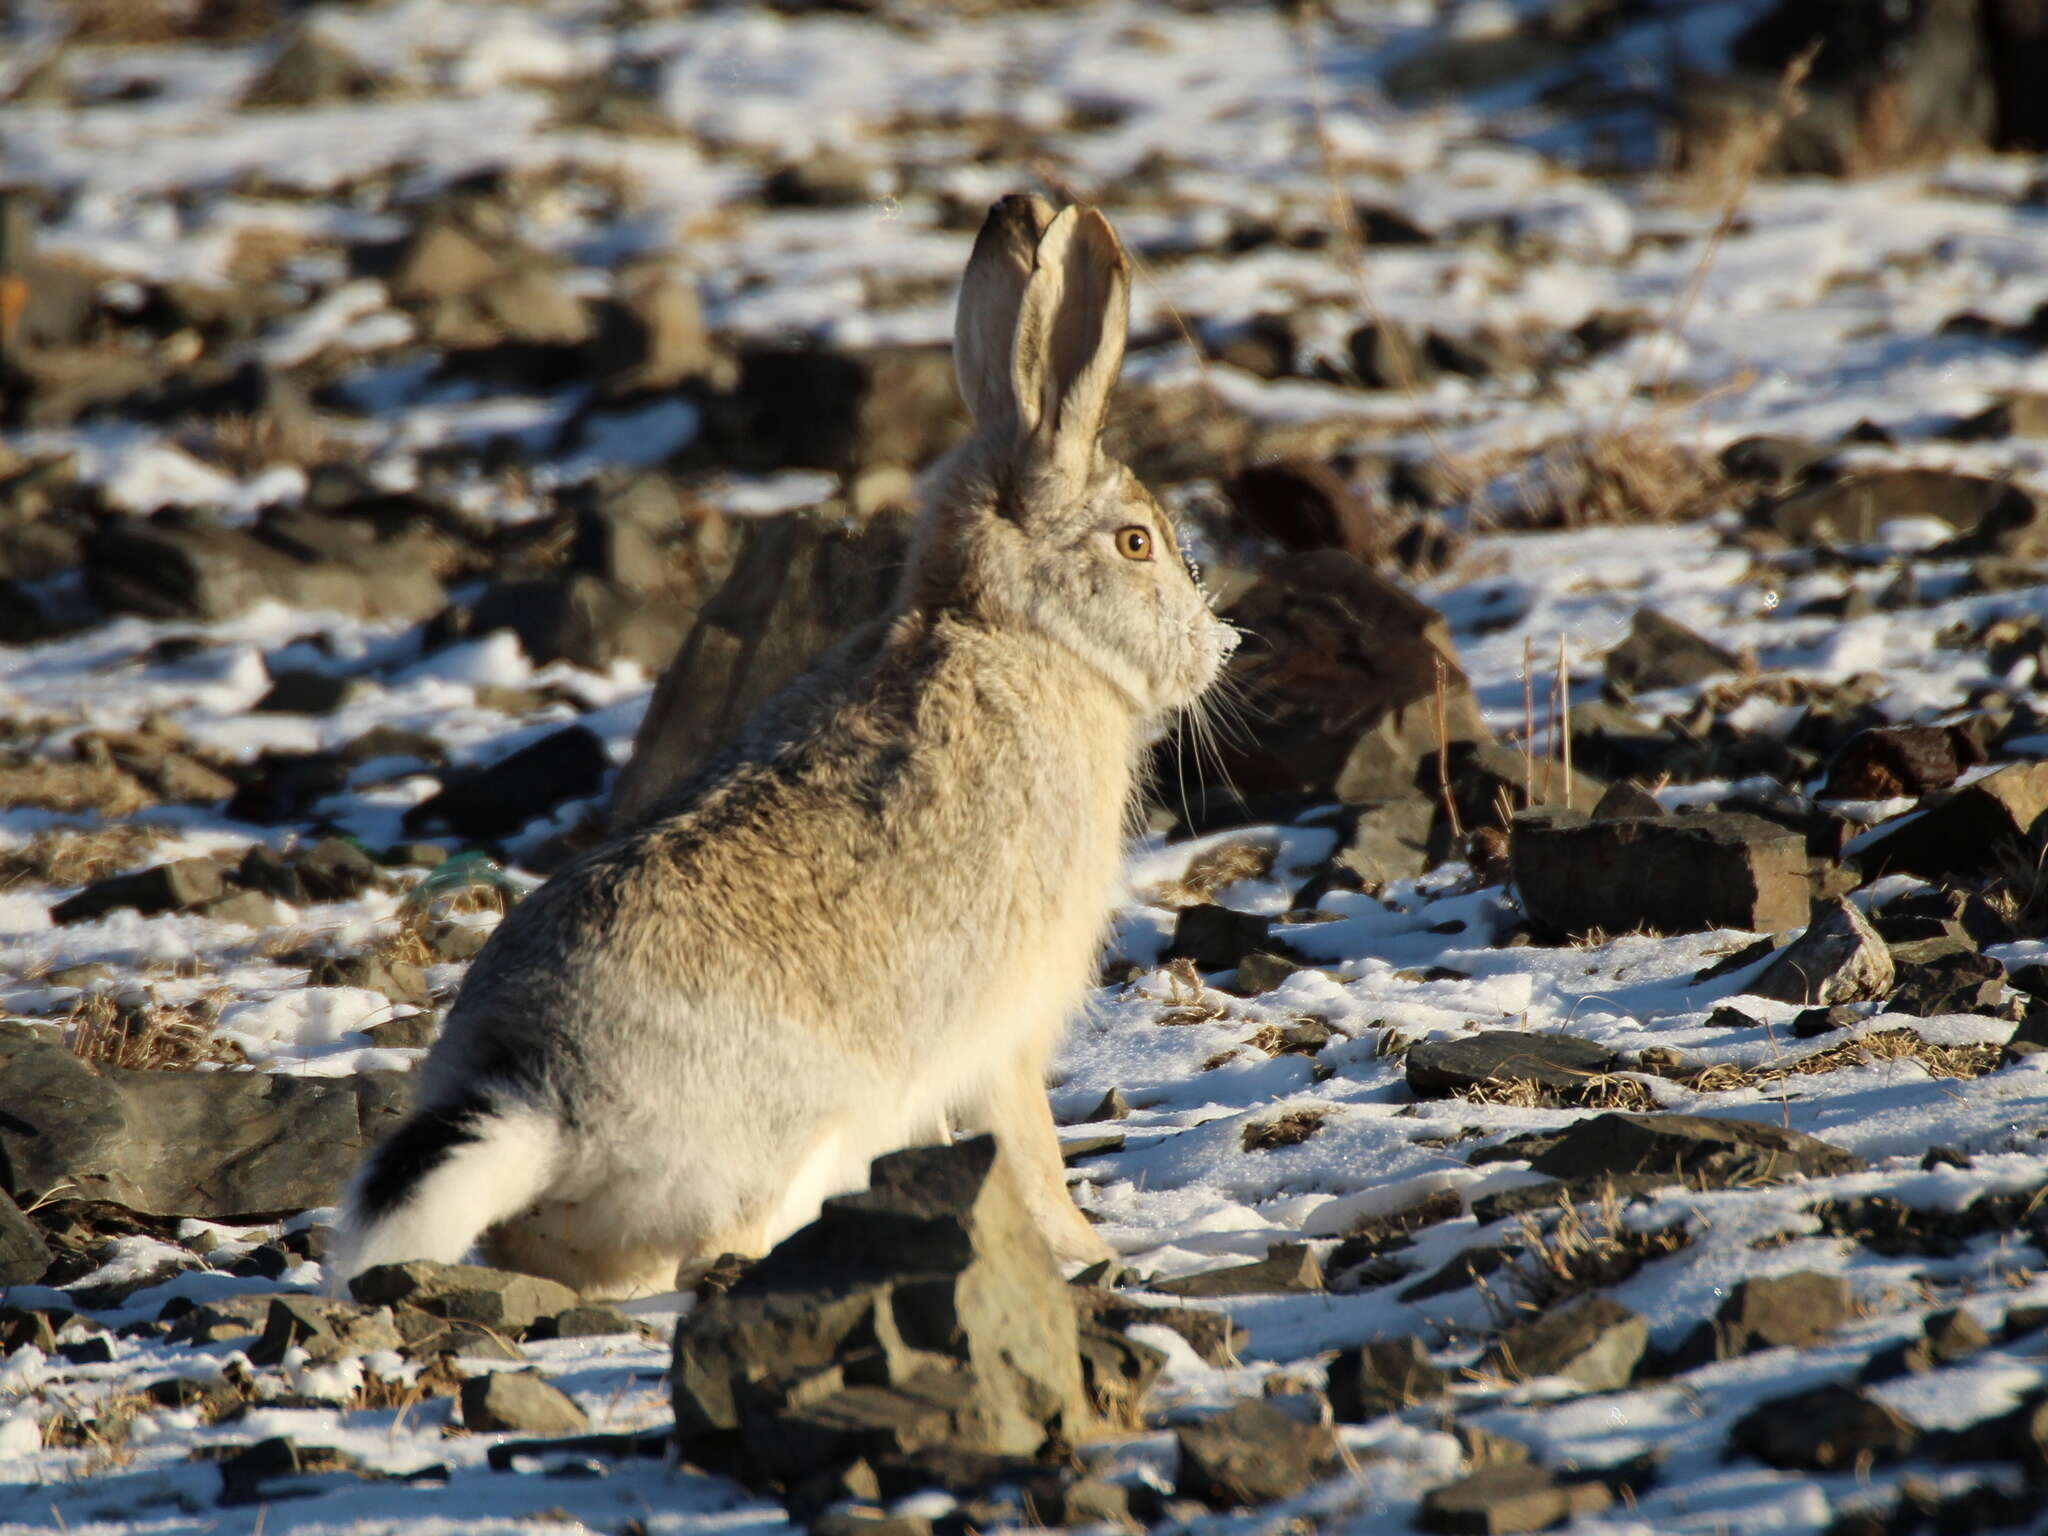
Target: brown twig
[1564,693]
[1443,755]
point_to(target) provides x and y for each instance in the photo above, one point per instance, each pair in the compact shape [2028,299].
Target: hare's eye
[1134,543]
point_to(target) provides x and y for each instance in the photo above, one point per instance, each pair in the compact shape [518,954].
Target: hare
[868,920]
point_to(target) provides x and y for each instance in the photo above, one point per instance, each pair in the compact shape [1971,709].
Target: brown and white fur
[871,918]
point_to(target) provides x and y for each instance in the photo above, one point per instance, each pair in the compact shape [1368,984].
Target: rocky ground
[1573,1045]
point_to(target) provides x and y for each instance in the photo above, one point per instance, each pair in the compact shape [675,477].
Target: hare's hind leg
[1014,1108]
[440,1179]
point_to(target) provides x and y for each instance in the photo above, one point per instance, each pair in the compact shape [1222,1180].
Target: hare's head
[1036,527]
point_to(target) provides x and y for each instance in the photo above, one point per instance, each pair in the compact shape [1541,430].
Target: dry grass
[1599,1090]
[1213,869]
[1968,1060]
[102,1428]
[154,1036]
[259,253]
[145,23]
[247,444]
[1620,476]
[1186,999]
[1579,1250]
[405,945]
[63,856]
[71,788]
[2018,892]
[1288,1130]
[129,23]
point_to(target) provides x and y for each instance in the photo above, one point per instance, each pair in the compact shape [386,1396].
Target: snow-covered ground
[1823,309]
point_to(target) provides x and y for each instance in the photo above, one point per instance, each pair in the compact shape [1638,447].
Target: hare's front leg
[1014,1109]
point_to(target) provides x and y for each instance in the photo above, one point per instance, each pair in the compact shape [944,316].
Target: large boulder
[1661,874]
[802,582]
[221,1146]
[1339,675]
[926,1311]
[1968,832]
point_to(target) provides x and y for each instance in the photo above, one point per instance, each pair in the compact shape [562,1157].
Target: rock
[585,619]
[276,1469]
[1288,1269]
[825,178]
[1941,913]
[498,800]
[1377,843]
[1839,959]
[1383,1377]
[284,786]
[1695,1149]
[587,1322]
[1814,1022]
[406,1031]
[1216,938]
[1795,1311]
[801,583]
[23,1254]
[1339,668]
[925,1311]
[1770,460]
[1496,1500]
[1958,983]
[1662,653]
[1674,874]
[310,70]
[1264,347]
[335,869]
[251,909]
[213,1145]
[1304,504]
[210,573]
[1792,1311]
[1625,800]
[396,979]
[1945,1338]
[1439,1068]
[327,1329]
[438,261]
[1891,761]
[1824,1429]
[651,335]
[1262,971]
[1252,1453]
[811,407]
[1595,1342]
[301,691]
[1988,515]
[1209,1333]
[2030,1039]
[1486,776]
[1386,357]
[264,869]
[174,887]
[520,1403]
[499,1299]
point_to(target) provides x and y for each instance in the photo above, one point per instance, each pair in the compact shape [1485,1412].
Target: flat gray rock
[1498,1057]
[215,1145]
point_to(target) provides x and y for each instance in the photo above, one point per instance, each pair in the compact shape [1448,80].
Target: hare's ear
[985,326]
[1070,333]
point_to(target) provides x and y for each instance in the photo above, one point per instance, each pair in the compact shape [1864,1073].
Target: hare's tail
[436,1183]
